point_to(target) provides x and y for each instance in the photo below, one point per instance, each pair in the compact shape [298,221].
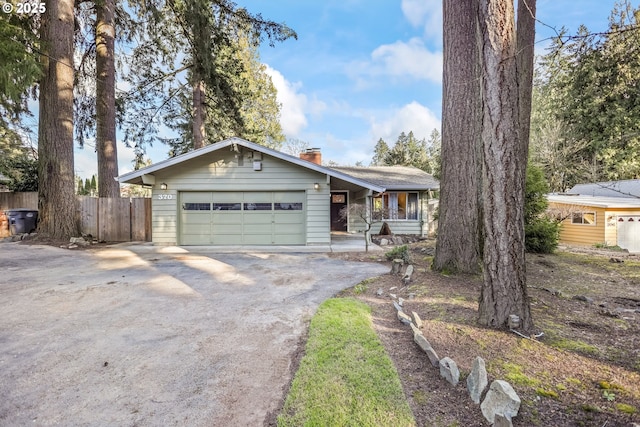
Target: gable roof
[135,177]
[626,188]
[596,201]
[393,177]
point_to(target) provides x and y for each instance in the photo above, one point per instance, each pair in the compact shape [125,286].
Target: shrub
[541,232]
[399,252]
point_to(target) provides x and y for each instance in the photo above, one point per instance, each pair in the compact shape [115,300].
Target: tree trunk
[106,144]
[56,182]
[458,248]
[526,34]
[504,290]
[198,113]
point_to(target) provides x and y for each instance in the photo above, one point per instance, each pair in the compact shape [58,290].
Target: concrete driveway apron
[132,336]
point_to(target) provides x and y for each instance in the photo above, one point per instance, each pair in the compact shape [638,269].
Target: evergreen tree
[380,153]
[87,187]
[56,182]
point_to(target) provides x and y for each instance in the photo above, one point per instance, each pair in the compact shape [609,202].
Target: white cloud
[427,13]
[409,59]
[411,117]
[295,105]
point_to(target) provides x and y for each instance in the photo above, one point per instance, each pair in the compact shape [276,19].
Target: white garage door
[242,218]
[629,232]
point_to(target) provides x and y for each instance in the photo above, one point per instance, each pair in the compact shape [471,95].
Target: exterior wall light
[163,186]
[316,186]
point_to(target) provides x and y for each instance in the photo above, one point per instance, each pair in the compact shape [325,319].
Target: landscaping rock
[502,421]
[416,319]
[514,321]
[396,265]
[404,318]
[415,330]
[384,242]
[422,342]
[501,399]
[401,302]
[380,292]
[79,241]
[407,274]
[397,240]
[449,370]
[477,379]
[397,306]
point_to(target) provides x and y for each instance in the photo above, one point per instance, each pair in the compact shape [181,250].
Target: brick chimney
[312,155]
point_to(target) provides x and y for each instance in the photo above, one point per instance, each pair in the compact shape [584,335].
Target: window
[288,206]
[396,205]
[226,206]
[257,206]
[584,218]
[196,206]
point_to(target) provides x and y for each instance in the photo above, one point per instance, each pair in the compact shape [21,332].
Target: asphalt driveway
[137,336]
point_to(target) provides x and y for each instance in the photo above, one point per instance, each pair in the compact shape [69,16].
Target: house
[236,192]
[589,220]
[626,188]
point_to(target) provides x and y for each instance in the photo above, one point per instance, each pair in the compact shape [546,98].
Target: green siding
[219,171]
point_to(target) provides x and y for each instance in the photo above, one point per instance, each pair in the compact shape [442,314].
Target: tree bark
[198,114]
[56,182]
[525,36]
[458,248]
[504,290]
[106,144]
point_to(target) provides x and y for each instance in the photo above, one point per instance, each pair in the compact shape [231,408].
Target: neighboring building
[590,220]
[236,192]
[626,188]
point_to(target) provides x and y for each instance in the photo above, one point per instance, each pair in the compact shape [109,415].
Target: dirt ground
[584,370]
[142,336]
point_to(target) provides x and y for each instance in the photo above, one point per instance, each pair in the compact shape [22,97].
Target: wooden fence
[107,219]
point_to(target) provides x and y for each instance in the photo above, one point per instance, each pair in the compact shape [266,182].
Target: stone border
[500,404]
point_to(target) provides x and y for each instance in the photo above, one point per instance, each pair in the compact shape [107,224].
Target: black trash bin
[22,220]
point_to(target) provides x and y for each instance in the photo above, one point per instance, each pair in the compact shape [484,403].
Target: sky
[362,70]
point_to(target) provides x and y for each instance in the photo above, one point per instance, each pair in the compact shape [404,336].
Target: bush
[399,252]
[541,233]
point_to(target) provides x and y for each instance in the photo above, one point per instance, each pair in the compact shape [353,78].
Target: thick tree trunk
[504,290]
[56,182]
[458,248]
[198,114]
[106,144]
[526,34]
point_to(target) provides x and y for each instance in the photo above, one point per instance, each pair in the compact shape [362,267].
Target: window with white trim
[583,218]
[394,205]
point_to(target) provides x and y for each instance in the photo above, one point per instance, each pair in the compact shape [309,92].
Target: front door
[338,204]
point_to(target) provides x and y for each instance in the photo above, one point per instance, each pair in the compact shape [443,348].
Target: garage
[242,218]
[628,228]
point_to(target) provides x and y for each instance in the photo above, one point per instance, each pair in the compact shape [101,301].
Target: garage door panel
[237,218]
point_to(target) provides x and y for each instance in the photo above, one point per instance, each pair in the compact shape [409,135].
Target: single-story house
[626,188]
[589,220]
[236,192]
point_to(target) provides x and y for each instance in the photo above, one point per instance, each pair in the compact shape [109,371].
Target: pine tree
[56,182]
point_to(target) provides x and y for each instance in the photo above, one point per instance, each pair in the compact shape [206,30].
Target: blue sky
[365,69]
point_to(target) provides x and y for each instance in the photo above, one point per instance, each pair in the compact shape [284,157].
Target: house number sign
[165,196]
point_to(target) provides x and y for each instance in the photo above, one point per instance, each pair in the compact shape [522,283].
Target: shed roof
[135,177]
[596,201]
[393,177]
[626,188]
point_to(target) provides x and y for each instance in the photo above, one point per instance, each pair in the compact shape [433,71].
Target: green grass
[345,377]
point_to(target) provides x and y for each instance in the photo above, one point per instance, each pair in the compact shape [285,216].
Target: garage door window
[257,206]
[288,206]
[226,206]
[196,206]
